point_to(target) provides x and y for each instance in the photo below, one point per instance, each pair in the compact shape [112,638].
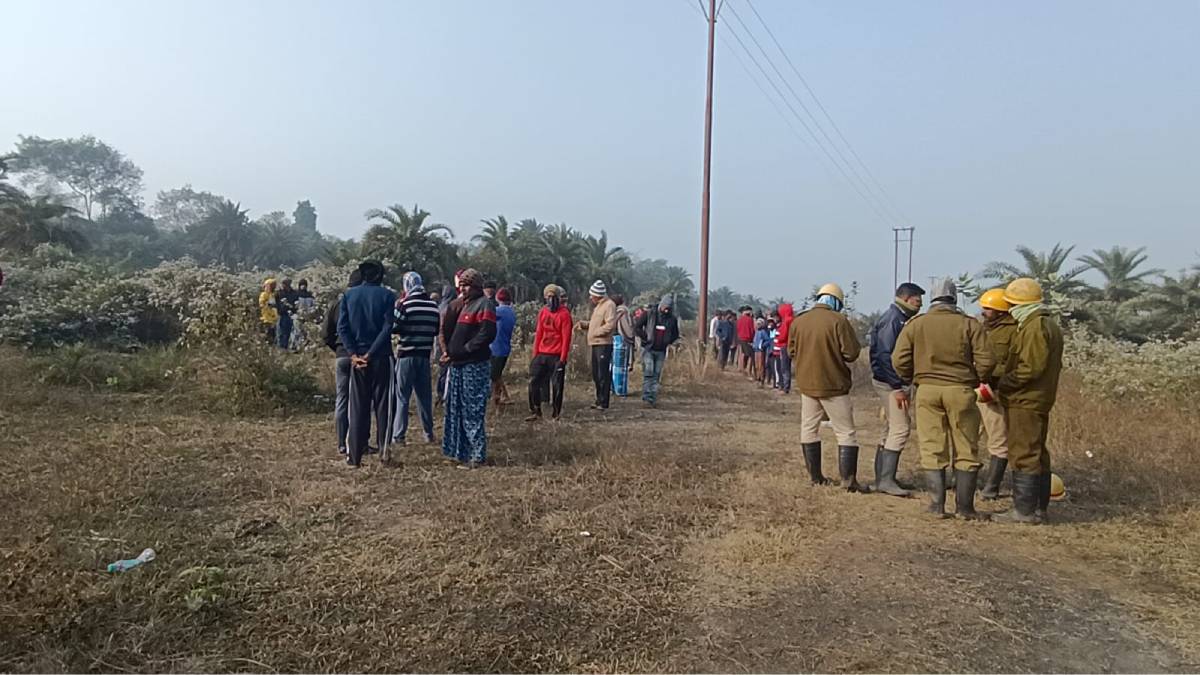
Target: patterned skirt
[463,437]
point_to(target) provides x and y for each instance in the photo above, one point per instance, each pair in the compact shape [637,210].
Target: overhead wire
[861,186]
[891,202]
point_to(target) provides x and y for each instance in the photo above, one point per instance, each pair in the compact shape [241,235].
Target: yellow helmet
[1023,291]
[1058,491]
[832,289]
[994,299]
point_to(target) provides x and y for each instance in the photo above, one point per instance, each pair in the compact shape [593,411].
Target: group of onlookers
[756,344]
[469,335]
[997,374]
[279,308]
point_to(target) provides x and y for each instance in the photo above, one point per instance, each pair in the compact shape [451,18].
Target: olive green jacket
[1030,379]
[1000,334]
[821,343]
[943,346]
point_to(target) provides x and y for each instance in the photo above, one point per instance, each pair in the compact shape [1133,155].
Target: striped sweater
[417,320]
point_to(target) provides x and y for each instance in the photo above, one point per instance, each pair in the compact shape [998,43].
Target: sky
[987,125]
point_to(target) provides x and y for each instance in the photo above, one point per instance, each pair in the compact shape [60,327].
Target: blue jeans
[341,406]
[652,367]
[283,332]
[785,371]
[413,375]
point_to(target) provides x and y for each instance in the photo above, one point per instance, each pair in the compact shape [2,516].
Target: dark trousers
[726,354]
[369,391]
[546,380]
[283,333]
[785,371]
[1027,451]
[602,373]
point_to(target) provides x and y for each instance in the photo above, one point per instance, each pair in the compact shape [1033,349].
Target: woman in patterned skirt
[468,336]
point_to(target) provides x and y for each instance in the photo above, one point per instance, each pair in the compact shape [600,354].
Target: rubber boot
[935,482]
[886,462]
[812,459]
[951,478]
[1043,498]
[848,468]
[1025,500]
[995,478]
[878,464]
[964,496]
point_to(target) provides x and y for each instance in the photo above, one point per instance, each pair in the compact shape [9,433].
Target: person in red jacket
[551,346]
[786,314]
[745,338]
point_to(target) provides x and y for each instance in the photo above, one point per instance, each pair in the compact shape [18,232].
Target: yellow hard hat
[1023,291]
[994,299]
[832,289]
[1058,491]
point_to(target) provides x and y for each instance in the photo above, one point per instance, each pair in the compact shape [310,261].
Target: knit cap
[598,289]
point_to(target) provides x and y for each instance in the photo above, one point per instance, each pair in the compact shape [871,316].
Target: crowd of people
[385,347]
[957,377]
[280,307]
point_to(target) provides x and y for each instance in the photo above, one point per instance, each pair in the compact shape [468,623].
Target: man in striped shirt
[417,322]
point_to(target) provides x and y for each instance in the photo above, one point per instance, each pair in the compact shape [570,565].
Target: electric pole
[708,107]
[901,235]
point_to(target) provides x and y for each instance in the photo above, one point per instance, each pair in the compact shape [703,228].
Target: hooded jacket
[786,316]
[553,333]
[822,343]
[657,329]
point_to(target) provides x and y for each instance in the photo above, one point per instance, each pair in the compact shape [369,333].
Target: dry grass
[708,550]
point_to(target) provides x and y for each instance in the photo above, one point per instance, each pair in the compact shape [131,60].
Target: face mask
[553,302]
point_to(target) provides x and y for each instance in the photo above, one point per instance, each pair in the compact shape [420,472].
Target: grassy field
[705,548]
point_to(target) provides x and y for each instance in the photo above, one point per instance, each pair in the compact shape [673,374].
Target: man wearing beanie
[946,354]
[600,329]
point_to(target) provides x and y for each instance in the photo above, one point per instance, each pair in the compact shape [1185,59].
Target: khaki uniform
[1029,388]
[945,353]
[822,344]
[995,418]
[898,423]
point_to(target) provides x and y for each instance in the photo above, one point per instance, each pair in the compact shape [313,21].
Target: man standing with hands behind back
[365,328]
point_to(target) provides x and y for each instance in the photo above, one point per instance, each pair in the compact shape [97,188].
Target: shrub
[1156,372]
[80,364]
[259,380]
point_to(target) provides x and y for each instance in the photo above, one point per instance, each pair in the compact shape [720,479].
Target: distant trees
[92,171]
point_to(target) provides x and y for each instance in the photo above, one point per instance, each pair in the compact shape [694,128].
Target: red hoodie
[553,335]
[745,328]
[785,324]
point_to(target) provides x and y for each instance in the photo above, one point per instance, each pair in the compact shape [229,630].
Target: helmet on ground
[994,299]
[1058,491]
[1023,291]
[832,289]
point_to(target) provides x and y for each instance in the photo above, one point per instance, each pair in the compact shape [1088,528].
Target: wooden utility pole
[708,106]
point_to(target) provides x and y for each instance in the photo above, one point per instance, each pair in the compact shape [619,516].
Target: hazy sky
[990,124]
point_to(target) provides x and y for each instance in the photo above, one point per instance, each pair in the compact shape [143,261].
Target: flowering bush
[1154,372]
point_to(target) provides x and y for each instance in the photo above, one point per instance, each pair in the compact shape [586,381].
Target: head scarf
[1022,312]
[412,283]
[503,295]
[471,277]
[831,302]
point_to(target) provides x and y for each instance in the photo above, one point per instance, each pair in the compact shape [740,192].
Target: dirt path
[705,550]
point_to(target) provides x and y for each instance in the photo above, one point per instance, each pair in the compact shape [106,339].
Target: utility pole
[901,235]
[708,105]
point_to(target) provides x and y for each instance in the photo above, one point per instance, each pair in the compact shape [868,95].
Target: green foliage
[1155,372]
[403,239]
[258,379]
[305,217]
[90,169]
[84,365]
[224,235]
[181,208]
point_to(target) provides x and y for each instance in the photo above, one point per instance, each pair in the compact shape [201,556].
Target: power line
[816,123]
[871,204]
[825,112]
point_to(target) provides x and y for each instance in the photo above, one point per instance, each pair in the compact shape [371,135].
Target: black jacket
[330,332]
[883,343]
[645,329]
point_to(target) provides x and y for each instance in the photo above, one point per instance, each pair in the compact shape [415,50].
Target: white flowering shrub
[1153,373]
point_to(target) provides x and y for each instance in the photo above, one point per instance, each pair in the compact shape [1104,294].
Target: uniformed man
[821,343]
[944,352]
[1028,390]
[999,326]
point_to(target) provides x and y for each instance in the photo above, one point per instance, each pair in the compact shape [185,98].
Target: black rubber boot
[995,478]
[848,468]
[886,462]
[964,496]
[878,463]
[951,479]
[1025,500]
[812,459]
[1043,498]
[935,482]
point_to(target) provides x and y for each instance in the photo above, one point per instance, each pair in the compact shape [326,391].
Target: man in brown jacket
[944,352]
[600,329]
[1028,389]
[821,343]
[1000,327]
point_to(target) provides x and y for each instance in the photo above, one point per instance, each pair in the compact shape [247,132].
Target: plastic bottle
[122,565]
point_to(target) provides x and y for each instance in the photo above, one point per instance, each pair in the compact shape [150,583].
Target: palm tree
[1046,268]
[28,221]
[404,238]
[1119,267]
[1174,305]
[277,244]
[611,264]
[564,247]
[722,298]
[224,234]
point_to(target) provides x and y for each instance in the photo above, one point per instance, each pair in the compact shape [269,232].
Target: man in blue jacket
[894,393]
[365,329]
